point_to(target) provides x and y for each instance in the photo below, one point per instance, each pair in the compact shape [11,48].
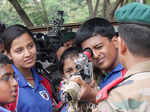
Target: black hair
[13,32]
[1,41]
[67,36]
[2,28]
[4,59]
[93,27]
[137,38]
[70,52]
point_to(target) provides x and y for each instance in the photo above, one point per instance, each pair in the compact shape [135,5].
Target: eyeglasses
[7,77]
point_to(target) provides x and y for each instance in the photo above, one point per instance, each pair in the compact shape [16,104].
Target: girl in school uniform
[34,93]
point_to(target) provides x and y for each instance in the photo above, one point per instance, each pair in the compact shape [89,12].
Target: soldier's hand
[92,83]
[88,92]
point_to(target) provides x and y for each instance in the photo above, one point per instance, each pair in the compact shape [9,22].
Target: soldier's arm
[88,92]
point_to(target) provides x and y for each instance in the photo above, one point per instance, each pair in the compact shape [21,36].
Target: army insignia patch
[44,95]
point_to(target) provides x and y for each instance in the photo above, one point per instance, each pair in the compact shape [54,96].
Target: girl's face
[23,52]
[69,66]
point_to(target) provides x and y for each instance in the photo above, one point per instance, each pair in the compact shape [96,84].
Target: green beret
[69,36]
[133,13]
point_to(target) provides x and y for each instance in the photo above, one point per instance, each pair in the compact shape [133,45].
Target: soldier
[133,94]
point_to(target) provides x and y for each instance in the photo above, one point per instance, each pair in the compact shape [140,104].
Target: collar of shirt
[118,68]
[2,109]
[138,68]
[21,79]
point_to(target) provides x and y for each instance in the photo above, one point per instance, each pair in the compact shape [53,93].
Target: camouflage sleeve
[130,106]
[132,95]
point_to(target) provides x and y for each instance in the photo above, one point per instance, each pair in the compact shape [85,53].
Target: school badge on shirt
[44,95]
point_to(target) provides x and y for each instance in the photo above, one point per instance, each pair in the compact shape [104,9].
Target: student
[99,35]
[34,90]
[132,95]
[68,69]
[67,66]
[8,84]
[67,42]
[68,39]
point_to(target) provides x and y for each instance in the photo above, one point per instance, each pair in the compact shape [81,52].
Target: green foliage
[74,11]
[8,14]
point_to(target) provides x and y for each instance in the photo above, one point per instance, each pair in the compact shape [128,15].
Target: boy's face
[8,89]
[105,52]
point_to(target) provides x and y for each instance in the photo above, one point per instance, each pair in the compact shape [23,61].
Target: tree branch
[90,7]
[104,9]
[114,7]
[21,12]
[45,13]
[96,8]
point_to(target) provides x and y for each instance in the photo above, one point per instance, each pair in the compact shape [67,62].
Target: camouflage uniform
[79,107]
[75,105]
[132,95]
